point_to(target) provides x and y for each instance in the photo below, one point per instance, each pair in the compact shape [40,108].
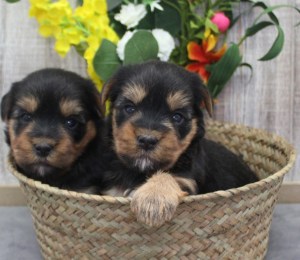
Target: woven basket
[231,224]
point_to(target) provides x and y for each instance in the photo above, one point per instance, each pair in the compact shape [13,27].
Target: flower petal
[209,43]
[194,67]
[62,46]
[196,52]
[207,33]
[215,56]
[200,69]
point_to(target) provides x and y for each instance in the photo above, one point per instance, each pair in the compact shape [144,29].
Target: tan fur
[148,132]
[90,134]
[185,183]
[104,95]
[169,147]
[21,145]
[124,137]
[155,202]
[28,103]
[116,192]
[208,103]
[177,100]
[64,154]
[70,107]
[38,140]
[67,151]
[188,139]
[135,93]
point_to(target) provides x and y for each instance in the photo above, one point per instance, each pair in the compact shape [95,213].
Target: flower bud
[221,21]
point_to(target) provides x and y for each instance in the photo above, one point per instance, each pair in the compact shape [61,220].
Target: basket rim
[207,196]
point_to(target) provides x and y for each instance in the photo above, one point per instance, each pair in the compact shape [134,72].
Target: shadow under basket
[231,224]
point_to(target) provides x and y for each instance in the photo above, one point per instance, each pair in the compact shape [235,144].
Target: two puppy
[151,148]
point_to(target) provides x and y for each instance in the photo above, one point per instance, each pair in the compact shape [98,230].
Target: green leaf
[257,27]
[169,20]
[276,47]
[106,60]
[193,25]
[79,2]
[140,48]
[222,70]
[267,10]
[111,4]
[234,20]
[247,65]
[12,1]
[209,24]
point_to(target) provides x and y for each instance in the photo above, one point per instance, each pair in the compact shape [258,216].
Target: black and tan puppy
[53,125]
[158,134]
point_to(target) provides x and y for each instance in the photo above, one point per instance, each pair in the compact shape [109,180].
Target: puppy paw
[156,201]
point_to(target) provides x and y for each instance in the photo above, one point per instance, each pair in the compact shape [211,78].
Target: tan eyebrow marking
[70,107]
[135,93]
[178,100]
[28,103]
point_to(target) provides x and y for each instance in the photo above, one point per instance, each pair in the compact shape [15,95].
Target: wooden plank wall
[270,100]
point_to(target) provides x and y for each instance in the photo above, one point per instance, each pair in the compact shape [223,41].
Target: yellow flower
[93,75]
[62,46]
[47,30]
[210,39]
[86,25]
[94,17]
[93,45]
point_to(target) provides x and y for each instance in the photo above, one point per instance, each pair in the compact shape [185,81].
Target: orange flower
[203,56]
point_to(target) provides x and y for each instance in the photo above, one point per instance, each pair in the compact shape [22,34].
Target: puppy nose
[43,149]
[146,142]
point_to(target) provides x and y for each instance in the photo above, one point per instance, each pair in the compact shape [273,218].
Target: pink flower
[221,21]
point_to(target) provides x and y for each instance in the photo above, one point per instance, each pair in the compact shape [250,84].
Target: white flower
[122,43]
[154,4]
[131,14]
[166,43]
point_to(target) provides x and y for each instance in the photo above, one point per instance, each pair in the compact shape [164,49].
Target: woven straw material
[231,224]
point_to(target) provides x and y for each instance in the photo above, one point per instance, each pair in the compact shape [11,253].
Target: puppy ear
[207,100]
[97,106]
[6,106]
[105,95]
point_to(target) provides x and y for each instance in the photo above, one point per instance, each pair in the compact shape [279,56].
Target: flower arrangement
[190,33]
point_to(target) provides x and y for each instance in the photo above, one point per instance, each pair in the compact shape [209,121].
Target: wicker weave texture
[232,224]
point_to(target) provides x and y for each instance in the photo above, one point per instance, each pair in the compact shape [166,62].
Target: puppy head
[51,116]
[155,113]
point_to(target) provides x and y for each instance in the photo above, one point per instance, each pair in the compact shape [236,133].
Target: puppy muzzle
[147,142]
[43,149]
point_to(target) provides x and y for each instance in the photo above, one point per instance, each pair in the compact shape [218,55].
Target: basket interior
[265,153]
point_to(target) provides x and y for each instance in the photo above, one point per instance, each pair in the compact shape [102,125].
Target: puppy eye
[71,123]
[178,118]
[26,117]
[130,109]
